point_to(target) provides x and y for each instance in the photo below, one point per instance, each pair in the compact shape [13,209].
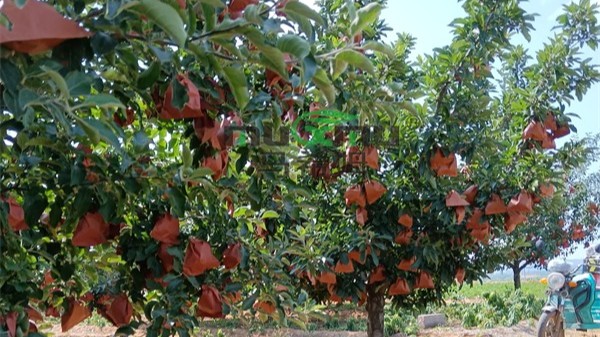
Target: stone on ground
[431,321]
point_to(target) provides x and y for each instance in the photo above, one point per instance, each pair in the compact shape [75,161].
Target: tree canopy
[163,161]
[567,218]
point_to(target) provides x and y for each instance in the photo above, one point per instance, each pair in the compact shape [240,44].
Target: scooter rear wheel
[550,325]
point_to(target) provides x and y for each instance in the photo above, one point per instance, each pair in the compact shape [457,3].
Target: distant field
[533,287]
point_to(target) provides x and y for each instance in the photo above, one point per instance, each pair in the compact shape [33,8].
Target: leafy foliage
[566,219]
[401,321]
[141,164]
[498,308]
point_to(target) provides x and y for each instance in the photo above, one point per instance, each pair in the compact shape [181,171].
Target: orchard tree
[141,165]
[565,219]
[443,166]
[122,188]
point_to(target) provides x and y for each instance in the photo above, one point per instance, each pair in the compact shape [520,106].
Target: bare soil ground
[525,329]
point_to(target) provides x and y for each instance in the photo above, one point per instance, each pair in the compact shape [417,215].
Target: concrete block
[431,321]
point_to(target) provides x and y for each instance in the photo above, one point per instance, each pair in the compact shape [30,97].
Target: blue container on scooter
[582,307]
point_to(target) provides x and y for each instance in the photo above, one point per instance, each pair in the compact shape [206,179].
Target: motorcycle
[573,299]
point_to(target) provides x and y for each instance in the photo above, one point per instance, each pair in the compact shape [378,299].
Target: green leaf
[199,173]
[180,96]
[175,251]
[113,8]
[230,47]
[432,181]
[339,66]
[304,24]
[298,7]
[295,45]
[214,3]
[164,56]
[300,324]
[351,9]
[324,84]
[269,215]
[78,83]
[108,209]
[60,82]
[5,21]
[192,22]
[27,98]
[379,47]
[91,132]
[148,310]
[252,14]
[374,257]
[233,287]
[186,155]
[177,201]
[364,17]
[33,206]
[249,302]
[228,28]
[104,131]
[10,75]
[407,105]
[41,141]
[125,331]
[240,164]
[272,58]
[35,334]
[164,16]
[103,43]
[59,116]
[77,174]
[234,74]
[102,101]
[356,59]
[149,76]
[82,203]
[56,212]
[309,68]
[302,297]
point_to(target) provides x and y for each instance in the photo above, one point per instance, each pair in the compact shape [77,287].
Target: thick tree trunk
[375,304]
[516,275]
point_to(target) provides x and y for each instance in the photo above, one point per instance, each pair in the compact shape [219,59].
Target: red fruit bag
[166,230]
[198,258]
[210,303]
[91,230]
[232,256]
[37,27]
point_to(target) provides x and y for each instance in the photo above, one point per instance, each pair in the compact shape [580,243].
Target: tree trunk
[375,304]
[516,275]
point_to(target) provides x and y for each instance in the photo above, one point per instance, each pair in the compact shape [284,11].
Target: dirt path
[522,330]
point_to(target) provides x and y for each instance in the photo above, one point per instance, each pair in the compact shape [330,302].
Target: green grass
[532,287]
[494,304]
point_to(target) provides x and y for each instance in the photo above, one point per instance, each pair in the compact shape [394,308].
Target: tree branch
[527,262]
[215,32]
